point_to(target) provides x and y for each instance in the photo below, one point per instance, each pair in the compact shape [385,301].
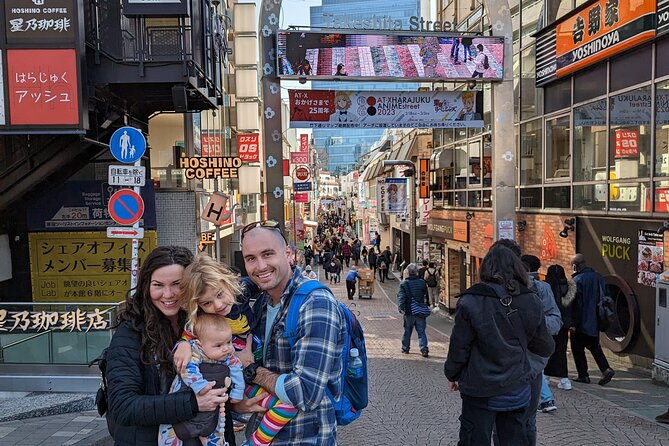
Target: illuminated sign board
[593,33]
[210,167]
[398,56]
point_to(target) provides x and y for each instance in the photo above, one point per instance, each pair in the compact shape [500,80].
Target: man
[541,391]
[413,288]
[431,278]
[308,273]
[351,277]
[590,287]
[422,269]
[377,241]
[372,258]
[387,257]
[301,377]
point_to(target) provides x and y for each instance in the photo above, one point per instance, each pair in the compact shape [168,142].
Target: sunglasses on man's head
[268,224]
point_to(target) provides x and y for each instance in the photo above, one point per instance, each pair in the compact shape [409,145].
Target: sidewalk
[409,402]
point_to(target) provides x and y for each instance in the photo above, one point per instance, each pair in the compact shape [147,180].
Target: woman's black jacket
[485,355]
[137,405]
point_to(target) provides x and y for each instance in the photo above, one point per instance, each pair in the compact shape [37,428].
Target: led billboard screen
[400,56]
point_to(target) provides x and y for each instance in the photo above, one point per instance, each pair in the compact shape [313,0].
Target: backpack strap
[296,301]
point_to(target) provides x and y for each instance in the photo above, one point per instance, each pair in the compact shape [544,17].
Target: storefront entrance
[456,267]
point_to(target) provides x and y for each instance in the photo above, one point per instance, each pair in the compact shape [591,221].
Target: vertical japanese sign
[304,142]
[43,87]
[424,178]
[247,147]
[211,143]
[34,21]
[197,134]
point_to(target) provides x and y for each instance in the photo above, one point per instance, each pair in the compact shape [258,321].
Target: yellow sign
[36,321]
[83,266]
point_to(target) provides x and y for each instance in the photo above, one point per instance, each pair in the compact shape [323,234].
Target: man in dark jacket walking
[590,287]
[413,288]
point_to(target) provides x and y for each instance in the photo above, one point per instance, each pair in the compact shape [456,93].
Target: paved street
[409,403]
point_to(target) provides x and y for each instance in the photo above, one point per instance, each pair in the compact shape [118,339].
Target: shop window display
[662,196]
[629,197]
[590,133]
[557,148]
[629,137]
[530,153]
[590,197]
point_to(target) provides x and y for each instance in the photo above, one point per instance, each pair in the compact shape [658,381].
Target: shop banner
[424,178]
[392,195]
[301,198]
[82,266]
[448,229]
[591,34]
[299,158]
[247,147]
[304,142]
[43,87]
[385,109]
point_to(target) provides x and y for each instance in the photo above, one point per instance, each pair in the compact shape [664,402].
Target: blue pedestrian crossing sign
[127,144]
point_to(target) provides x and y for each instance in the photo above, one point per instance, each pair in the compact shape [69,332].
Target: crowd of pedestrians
[190,323]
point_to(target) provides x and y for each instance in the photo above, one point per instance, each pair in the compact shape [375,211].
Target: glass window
[487,107]
[531,97]
[460,134]
[530,197]
[590,133]
[557,96]
[661,59]
[487,160]
[557,197]
[557,148]
[461,172]
[556,9]
[531,17]
[474,199]
[662,196]
[662,129]
[590,196]
[530,153]
[475,163]
[487,199]
[437,137]
[516,88]
[621,74]
[629,197]
[590,83]
[630,134]
[447,136]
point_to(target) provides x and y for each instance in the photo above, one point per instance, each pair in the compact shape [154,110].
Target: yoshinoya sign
[592,33]
[381,109]
[40,21]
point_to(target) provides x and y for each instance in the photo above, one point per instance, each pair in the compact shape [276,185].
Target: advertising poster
[247,147]
[43,87]
[392,195]
[83,266]
[314,55]
[650,257]
[385,109]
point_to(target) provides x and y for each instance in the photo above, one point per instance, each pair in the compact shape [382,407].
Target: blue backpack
[353,393]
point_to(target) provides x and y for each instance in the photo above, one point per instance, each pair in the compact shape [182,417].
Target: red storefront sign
[662,200]
[299,158]
[304,143]
[311,105]
[286,168]
[627,143]
[43,87]
[211,144]
[302,198]
[247,147]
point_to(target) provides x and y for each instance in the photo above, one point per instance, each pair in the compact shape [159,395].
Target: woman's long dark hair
[557,279]
[504,267]
[157,334]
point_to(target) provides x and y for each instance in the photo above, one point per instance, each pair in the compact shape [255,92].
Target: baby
[212,346]
[208,287]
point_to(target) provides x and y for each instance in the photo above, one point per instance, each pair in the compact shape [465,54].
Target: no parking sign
[126,207]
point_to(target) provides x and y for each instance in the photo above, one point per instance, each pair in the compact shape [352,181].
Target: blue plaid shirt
[312,366]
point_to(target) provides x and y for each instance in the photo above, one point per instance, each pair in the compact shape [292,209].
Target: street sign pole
[135,246]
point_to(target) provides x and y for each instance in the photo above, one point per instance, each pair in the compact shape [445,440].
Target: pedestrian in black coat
[139,360]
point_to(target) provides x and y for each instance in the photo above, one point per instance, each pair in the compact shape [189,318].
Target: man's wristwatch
[250,373]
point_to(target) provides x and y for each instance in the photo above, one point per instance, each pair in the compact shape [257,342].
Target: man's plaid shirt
[313,365]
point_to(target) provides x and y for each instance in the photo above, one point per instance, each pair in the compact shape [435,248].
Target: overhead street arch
[504,153]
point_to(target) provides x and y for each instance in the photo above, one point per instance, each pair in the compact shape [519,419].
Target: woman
[564,291]
[139,359]
[496,322]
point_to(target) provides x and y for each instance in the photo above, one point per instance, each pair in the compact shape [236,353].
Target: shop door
[454,278]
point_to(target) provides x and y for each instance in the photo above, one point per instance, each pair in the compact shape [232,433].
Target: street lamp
[410,173]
